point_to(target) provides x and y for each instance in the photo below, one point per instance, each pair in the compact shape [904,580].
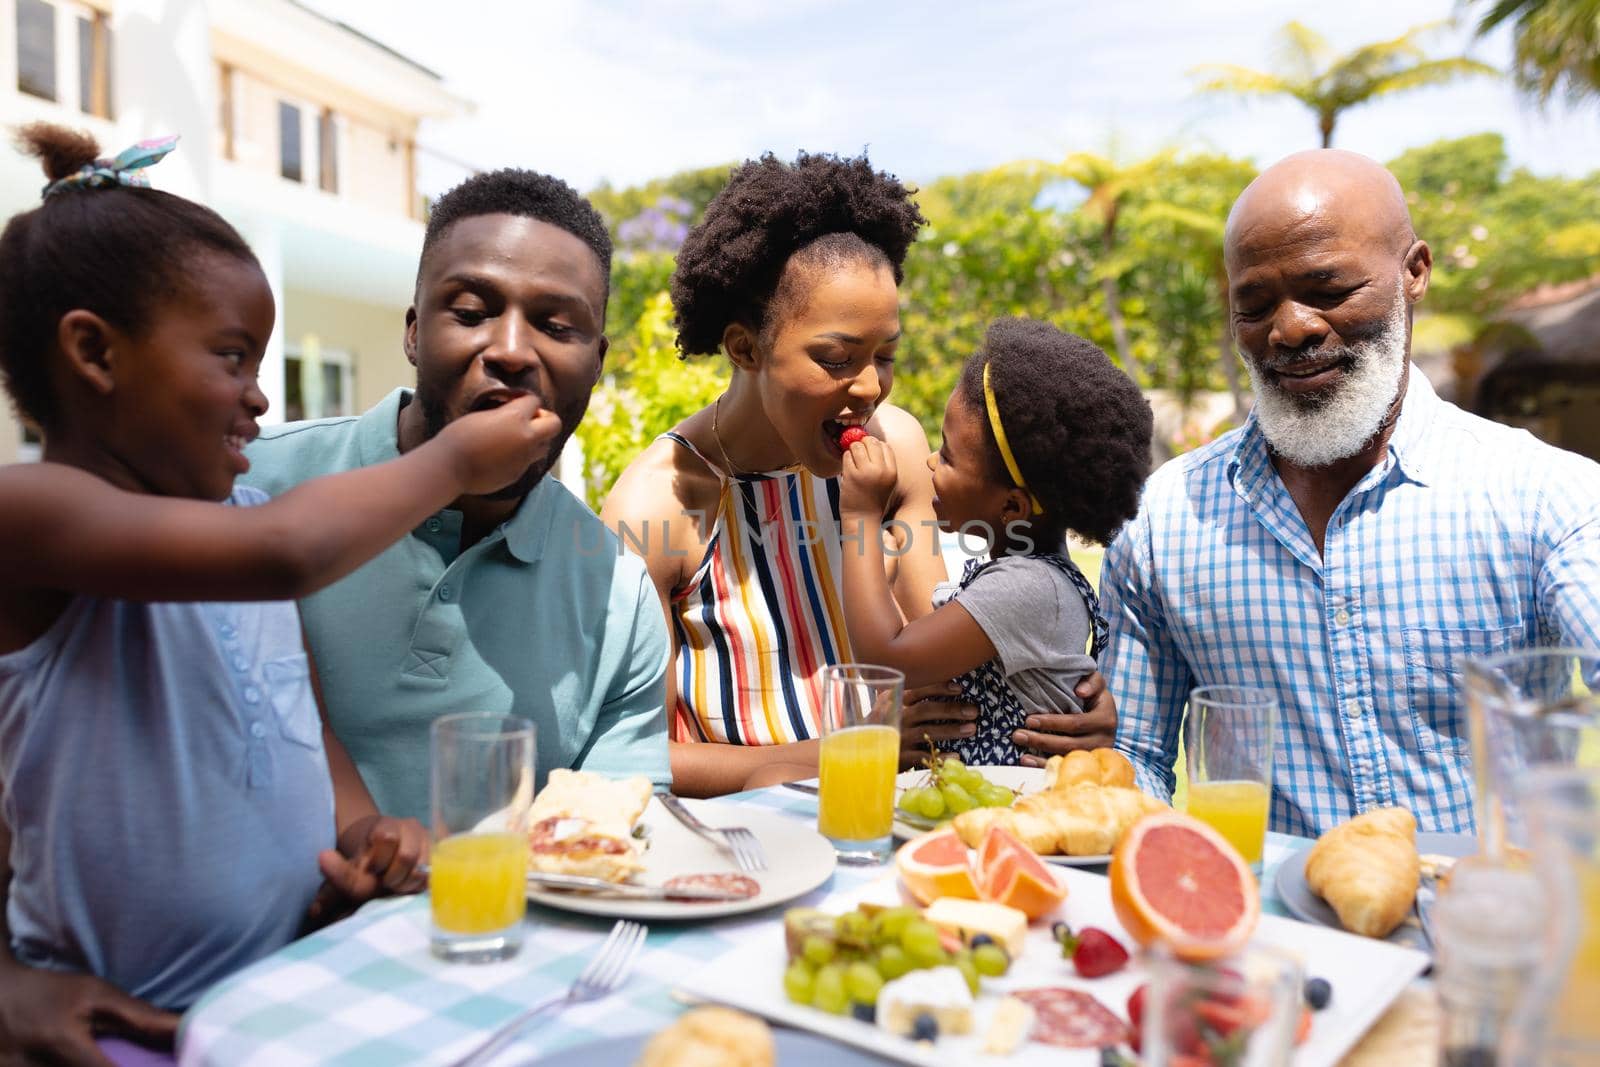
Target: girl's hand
[494,449]
[386,862]
[46,1017]
[868,480]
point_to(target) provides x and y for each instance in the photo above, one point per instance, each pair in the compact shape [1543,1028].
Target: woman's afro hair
[1078,427]
[730,265]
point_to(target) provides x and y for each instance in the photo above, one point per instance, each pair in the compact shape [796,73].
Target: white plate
[1018,779]
[799,859]
[1301,902]
[1366,976]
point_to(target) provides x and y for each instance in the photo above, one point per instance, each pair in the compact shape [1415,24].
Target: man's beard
[1321,428]
[434,419]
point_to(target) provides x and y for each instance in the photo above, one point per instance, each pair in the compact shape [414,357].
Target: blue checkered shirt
[1468,538]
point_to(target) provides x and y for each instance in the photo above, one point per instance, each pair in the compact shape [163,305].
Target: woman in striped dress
[794,275]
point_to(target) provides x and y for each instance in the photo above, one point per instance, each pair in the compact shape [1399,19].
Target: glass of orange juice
[860,758]
[482,771]
[1229,737]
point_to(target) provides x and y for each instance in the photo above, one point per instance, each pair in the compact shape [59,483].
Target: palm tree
[1330,84]
[1556,45]
[1110,185]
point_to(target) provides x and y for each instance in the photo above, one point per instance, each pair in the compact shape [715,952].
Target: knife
[601,887]
[801,787]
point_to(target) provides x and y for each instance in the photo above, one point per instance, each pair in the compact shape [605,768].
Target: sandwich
[582,823]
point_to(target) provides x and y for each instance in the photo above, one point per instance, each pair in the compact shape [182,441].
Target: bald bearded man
[1357,538]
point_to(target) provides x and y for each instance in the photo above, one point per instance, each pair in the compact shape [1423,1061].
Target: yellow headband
[1005,446]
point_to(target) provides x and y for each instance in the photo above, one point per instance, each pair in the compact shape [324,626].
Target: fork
[605,973]
[738,840]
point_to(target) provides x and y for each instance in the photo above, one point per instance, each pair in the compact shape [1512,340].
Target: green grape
[956,799]
[852,926]
[972,781]
[991,960]
[951,768]
[994,796]
[799,982]
[891,923]
[818,949]
[930,804]
[911,800]
[862,982]
[893,962]
[829,993]
[969,969]
[920,939]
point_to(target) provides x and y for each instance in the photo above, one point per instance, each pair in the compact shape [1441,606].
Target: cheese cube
[938,991]
[967,918]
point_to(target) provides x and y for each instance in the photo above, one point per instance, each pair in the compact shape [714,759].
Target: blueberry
[925,1028]
[1318,993]
[865,1012]
[981,939]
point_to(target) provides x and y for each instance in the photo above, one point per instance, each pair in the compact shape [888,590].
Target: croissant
[1367,870]
[1089,820]
[1100,766]
[1031,828]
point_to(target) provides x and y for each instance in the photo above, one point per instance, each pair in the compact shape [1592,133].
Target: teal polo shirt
[545,618]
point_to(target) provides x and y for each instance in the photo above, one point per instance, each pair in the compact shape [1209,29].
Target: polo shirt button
[257,731]
[228,631]
[434,525]
[240,663]
[444,592]
[1342,617]
[252,695]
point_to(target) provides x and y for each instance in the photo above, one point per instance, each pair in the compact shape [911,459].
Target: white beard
[1317,430]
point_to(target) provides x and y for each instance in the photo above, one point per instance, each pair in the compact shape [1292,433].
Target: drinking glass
[1229,736]
[482,768]
[1527,709]
[860,755]
[1559,1021]
[1250,1002]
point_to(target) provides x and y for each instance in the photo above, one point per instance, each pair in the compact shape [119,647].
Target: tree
[1555,45]
[1110,186]
[1330,84]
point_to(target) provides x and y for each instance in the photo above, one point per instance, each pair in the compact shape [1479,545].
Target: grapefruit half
[935,865]
[1010,873]
[1176,880]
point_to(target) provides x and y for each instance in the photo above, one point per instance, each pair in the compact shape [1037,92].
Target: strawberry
[850,436]
[1098,953]
[1302,1029]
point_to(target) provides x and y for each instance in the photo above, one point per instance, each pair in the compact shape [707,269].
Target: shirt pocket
[1435,659]
[289,689]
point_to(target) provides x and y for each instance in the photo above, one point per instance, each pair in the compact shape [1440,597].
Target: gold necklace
[716,409]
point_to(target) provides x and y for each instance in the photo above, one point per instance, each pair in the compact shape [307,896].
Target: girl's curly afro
[1078,427]
[730,265]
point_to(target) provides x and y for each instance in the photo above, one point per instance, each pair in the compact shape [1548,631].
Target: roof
[345,26]
[1563,330]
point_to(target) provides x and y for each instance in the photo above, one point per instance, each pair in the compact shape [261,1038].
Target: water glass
[482,778]
[1528,709]
[1252,999]
[1558,1024]
[860,755]
[1229,739]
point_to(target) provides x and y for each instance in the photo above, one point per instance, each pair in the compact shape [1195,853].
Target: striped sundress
[764,612]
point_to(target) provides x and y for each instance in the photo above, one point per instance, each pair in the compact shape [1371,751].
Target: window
[94,65]
[328,152]
[225,122]
[320,394]
[289,152]
[36,48]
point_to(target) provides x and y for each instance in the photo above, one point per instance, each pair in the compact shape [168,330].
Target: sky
[608,90]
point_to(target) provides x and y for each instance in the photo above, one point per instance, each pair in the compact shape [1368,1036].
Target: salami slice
[724,881]
[1071,1018]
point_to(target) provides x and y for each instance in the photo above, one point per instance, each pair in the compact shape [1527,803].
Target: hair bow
[127,167]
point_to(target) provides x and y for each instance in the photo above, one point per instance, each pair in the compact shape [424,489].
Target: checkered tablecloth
[366,992]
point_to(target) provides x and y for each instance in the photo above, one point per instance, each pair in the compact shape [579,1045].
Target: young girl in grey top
[1043,435]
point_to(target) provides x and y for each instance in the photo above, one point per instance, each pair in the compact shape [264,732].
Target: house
[297,129]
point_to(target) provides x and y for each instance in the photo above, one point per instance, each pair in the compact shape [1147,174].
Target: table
[366,992]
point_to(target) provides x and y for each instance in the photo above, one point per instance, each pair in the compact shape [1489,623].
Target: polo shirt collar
[526,532]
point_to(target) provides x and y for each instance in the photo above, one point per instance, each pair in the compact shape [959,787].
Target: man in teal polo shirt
[514,602]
